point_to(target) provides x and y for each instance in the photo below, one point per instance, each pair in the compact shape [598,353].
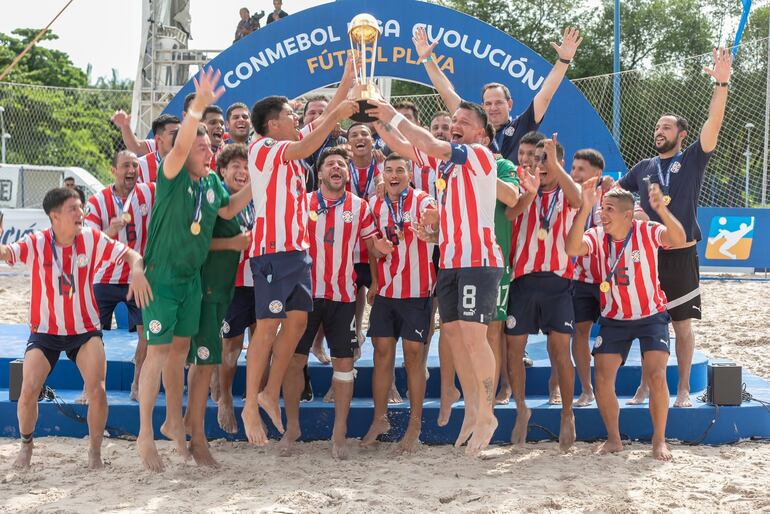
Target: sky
[107,33]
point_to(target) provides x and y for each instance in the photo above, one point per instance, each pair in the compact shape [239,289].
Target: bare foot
[394,396]
[214,385]
[683,399]
[329,396]
[482,434]
[252,424]
[555,397]
[134,394]
[586,399]
[609,447]
[286,443]
[179,436]
[340,450]
[504,396]
[24,457]
[409,443]
[379,426]
[660,451]
[320,354]
[273,410]
[149,454]
[445,406]
[567,431]
[520,429]
[226,415]
[95,458]
[466,431]
[640,396]
[200,452]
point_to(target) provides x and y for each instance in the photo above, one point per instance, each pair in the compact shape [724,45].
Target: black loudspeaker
[14,379]
[725,383]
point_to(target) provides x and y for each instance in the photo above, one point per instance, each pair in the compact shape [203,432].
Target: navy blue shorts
[468,294]
[540,301]
[406,318]
[281,284]
[52,345]
[108,296]
[586,301]
[338,320]
[363,275]
[616,336]
[241,314]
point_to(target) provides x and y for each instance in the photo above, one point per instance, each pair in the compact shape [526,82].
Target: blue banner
[734,237]
[307,50]
[741,26]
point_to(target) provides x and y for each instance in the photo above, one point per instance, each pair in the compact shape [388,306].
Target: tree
[40,65]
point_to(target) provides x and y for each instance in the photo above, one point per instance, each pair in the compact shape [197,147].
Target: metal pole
[749,126]
[767,126]
[2,135]
[616,77]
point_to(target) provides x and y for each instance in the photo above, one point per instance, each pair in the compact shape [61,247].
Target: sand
[437,479]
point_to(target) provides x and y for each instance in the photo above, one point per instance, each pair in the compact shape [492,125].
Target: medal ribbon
[611,246]
[545,220]
[198,203]
[590,221]
[665,178]
[323,208]
[398,217]
[369,177]
[247,216]
[60,265]
[443,171]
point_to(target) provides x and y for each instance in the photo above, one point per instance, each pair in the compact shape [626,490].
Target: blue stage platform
[751,419]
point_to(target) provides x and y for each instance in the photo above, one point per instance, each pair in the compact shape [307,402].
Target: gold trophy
[364,34]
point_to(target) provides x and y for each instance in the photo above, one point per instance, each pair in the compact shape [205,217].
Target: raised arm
[529,181]
[575,245]
[396,140]
[570,188]
[342,91]
[297,150]
[419,137]
[506,193]
[238,202]
[723,61]
[674,235]
[566,52]
[437,77]
[123,121]
[206,92]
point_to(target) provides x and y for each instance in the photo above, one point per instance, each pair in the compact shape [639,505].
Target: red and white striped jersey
[408,271]
[635,291]
[53,310]
[244,278]
[148,167]
[360,253]
[533,255]
[425,179]
[467,209]
[280,198]
[332,239]
[587,267]
[150,145]
[102,207]
[213,161]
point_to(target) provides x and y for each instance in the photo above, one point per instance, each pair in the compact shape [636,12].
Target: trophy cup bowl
[364,34]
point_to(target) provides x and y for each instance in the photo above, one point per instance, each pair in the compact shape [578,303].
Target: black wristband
[565,61]
[723,84]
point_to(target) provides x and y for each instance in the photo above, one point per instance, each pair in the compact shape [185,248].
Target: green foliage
[40,65]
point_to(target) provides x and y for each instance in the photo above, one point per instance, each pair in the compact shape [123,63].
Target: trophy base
[361,116]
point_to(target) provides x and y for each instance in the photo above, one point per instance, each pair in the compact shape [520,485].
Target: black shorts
[363,275]
[616,336]
[679,277]
[540,302]
[338,321]
[586,301]
[241,313]
[468,294]
[108,296]
[281,284]
[436,258]
[52,345]
[406,318]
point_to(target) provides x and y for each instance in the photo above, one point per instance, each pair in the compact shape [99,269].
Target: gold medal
[542,234]
[195,228]
[604,286]
[440,184]
[313,215]
[401,235]
[126,217]
[666,199]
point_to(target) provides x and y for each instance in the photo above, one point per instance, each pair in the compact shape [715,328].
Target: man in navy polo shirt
[680,176]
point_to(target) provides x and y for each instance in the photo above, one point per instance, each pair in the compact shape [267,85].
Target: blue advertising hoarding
[734,237]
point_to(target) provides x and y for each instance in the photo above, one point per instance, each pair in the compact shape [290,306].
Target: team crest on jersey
[82,260]
[189,191]
[210,196]
[203,353]
[636,256]
[155,326]
[87,210]
[676,167]
[269,141]
[225,327]
[598,341]
[407,217]
[347,216]
[276,306]
[510,322]
[509,131]
[144,209]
